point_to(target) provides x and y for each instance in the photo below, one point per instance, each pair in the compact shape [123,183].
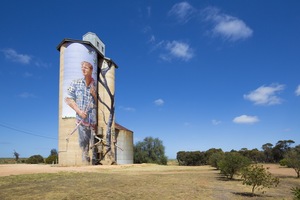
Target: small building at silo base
[124,150]
[70,153]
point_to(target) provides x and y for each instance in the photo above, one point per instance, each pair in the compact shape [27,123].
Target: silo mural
[87,132]
[80,95]
[106,110]
[80,68]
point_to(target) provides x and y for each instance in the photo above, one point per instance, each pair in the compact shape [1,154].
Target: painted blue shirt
[80,93]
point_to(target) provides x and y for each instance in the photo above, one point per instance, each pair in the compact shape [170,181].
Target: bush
[150,150]
[51,159]
[292,160]
[296,193]
[190,158]
[258,177]
[215,158]
[283,162]
[35,159]
[232,164]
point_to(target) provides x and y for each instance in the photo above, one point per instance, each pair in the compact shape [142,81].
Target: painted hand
[82,114]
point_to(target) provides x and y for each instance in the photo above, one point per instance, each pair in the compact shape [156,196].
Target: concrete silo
[87,133]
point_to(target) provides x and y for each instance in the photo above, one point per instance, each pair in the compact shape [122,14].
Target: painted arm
[74,106]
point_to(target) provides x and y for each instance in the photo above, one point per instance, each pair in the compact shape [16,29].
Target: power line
[26,132]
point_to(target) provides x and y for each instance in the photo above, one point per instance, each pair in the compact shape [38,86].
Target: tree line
[36,159]
[270,154]
[151,150]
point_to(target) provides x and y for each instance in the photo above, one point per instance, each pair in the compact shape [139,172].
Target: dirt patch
[16,169]
[280,170]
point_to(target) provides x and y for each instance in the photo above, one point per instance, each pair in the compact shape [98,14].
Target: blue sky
[195,74]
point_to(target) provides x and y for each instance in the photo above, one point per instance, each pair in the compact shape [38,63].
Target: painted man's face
[86,69]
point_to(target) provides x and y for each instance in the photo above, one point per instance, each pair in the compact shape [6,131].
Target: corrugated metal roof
[118,126]
[78,41]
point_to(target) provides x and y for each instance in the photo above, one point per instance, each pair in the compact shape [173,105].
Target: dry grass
[144,181]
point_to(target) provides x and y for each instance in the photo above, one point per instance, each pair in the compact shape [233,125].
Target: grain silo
[87,133]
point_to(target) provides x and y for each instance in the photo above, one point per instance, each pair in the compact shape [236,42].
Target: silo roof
[88,43]
[78,41]
[118,126]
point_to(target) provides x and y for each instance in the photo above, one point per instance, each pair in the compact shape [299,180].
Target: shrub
[190,158]
[215,158]
[35,159]
[292,160]
[51,159]
[258,177]
[150,150]
[296,193]
[283,162]
[232,164]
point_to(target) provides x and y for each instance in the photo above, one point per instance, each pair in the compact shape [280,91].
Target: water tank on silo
[95,40]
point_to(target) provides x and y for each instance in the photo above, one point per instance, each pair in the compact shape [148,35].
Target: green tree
[255,155]
[150,150]
[215,158]
[258,177]
[268,152]
[232,164]
[53,157]
[17,155]
[53,152]
[210,152]
[35,159]
[282,147]
[292,160]
[191,158]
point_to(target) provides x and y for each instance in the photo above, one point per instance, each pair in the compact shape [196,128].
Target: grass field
[11,160]
[146,181]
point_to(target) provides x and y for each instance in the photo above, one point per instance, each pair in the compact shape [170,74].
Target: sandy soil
[16,169]
[279,170]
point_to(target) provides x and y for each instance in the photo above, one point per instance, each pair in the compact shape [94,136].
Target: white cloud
[245,119]
[129,109]
[215,122]
[182,11]
[265,95]
[26,95]
[232,29]
[176,49]
[159,102]
[297,92]
[226,26]
[12,55]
